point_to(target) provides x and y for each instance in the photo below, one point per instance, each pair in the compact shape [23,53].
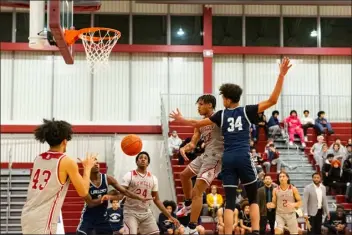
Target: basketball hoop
[98,43]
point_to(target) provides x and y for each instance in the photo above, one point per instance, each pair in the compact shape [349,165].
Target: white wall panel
[186,9]
[149,80]
[340,11]
[6,85]
[227,9]
[336,86]
[259,10]
[149,8]
[111,90]
[72,89]
[115,6]
[32,86]
[299,10]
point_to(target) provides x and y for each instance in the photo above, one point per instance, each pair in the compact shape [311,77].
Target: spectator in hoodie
[294,127]
[166,226]
[274,125]
[323,155]
[335,177]
[338,154]
[316,149]
[307,122]
[321,123]
[347,169]
[342,150]
[174,143]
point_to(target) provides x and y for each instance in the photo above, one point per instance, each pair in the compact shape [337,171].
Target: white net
[98,44]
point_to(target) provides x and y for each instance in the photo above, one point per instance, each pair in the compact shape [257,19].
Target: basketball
[131,145]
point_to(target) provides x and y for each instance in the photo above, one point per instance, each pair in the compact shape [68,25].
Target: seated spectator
[115,215]
[321,123]
[166,226]
[274,127]
[260,181]
[316,149]
[342,149]
[184,221]
[336,224]
[307,122]
[271,157]
[294,127]
[221,225]
[347,170]
[245,219]
[338,154]
[174,143]
[214,201]
[326,168]
[335,178]
[322,155]
[261,124]
[256,159]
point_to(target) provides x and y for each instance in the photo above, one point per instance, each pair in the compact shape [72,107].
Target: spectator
[115,215]
[261,124]
[271,157]
[174,143]
[347,170]
[316,149]
[220,216]
[335,178]
[322,155]
[166,226]
[326,169]
[307,122]
[336,224]
[338,154]
[214,200]
[349,142]
[274,127]
[251,143]
[256,159]
[264,196]
[321,123]
[294,126]
[260,181]
[342,149]
[245,220]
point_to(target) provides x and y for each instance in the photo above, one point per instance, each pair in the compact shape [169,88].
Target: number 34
[233,124]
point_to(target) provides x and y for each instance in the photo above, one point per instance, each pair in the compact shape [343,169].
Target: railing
[165,131]
[337,108]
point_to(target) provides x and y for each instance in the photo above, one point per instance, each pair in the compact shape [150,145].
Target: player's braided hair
[231,91]
[208,99]
[53,132]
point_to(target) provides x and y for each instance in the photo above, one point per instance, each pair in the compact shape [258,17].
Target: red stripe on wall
[89,129]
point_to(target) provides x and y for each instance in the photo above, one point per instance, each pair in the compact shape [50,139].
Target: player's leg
[186,175]
[292,223]
[248,176]
[84,227]
[147,224]
[103,227]
[280,224]
[130,223]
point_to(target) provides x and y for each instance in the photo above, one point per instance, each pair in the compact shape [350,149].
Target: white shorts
[144,223]
[287,220]
[206,167]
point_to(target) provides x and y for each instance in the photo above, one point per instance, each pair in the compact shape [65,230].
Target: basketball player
[137,215]
[285,199]
[51,175]
[207,166]
[94,213]
[235,122]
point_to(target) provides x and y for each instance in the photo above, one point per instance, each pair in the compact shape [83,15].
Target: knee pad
[230,193]
[251,191]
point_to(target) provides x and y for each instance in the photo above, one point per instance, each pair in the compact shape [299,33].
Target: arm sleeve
[252,113]
[155,186]
[126,180]
[216,118]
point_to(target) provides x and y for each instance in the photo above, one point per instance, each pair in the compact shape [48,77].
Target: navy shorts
[86,227]
[237,167]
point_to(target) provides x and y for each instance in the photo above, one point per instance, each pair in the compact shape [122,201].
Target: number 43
[233,124]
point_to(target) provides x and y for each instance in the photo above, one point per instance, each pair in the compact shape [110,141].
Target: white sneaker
[306,138]
[184,211]
[303,145]
[191,231]
[291,143]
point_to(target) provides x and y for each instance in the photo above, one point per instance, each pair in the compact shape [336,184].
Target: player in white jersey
[137,215]
[51,175]
[206,167]
[286,200]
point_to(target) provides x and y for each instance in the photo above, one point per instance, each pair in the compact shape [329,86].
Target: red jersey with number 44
[140,184]
[45,195]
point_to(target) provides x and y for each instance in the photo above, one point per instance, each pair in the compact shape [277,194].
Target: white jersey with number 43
[142,185]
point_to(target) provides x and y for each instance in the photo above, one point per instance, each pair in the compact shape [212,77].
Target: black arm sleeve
[216,118]
[252,113]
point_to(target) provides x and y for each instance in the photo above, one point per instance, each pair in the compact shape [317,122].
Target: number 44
[233,124]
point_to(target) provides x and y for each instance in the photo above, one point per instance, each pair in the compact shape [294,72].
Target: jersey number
[144,193]
[45,174]
[233,124]
[284,203]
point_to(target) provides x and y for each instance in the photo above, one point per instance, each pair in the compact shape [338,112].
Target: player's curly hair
[170,203]
[208,99]
[53,132]
[231,91]
[143,152]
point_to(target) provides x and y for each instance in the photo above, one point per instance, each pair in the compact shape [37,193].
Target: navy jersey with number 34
[235,125]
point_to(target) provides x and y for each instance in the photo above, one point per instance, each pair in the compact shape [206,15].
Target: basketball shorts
[206,167]
[237,167]
[287,220]
[141,223]
[100,226]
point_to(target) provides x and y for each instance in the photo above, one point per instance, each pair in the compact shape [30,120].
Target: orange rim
[71,35]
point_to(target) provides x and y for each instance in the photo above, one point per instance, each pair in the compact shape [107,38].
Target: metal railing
[337,108]
[165,132]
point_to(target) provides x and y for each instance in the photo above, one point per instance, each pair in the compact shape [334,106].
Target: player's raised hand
[89,161]
[285,66]
[175,114]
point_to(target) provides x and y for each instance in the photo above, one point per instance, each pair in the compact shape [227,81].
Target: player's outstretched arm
[113,182]
[191,145]
[192,122]
[92,202]
[284,67]
[162,208]
[70,167]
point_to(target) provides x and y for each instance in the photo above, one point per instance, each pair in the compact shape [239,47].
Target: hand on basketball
[183,153]
[175,115]
[285,66]
[89,161]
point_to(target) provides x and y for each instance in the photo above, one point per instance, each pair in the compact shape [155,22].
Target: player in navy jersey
[235,123]
[94,214]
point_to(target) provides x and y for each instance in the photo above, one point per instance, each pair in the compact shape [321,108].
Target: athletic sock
[188,202]
[192,225]
[256,232]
